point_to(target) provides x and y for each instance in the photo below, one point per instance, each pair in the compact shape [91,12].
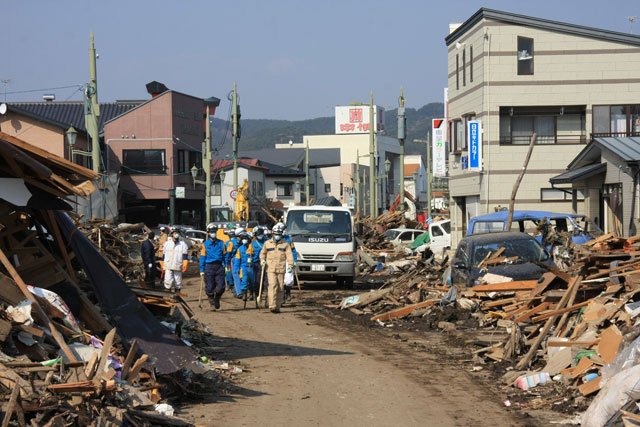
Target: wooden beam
[507,286]
[402,311]
[560,311]
[13,402]
[526,360]
[135,370]
[531,312]
[23,287]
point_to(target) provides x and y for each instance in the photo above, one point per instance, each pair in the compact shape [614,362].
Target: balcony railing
[614,134]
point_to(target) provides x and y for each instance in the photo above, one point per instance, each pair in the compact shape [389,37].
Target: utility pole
[428,168]
[206,164]
[402,123]
[364,188]
[236,136]
[306,172]
[373,211]
[358,201]
[92,109]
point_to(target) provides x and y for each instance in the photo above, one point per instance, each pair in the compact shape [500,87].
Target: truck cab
[325,243]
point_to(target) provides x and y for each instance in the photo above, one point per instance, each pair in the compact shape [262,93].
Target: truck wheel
[348,283]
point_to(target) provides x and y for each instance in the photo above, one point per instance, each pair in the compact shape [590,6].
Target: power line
[68,98]
[42,90]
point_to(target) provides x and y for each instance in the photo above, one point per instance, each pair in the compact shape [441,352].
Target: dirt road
[308,366]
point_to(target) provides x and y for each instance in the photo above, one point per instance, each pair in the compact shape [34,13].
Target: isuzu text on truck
[324,240]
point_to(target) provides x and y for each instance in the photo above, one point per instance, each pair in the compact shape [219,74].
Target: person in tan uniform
[276,254]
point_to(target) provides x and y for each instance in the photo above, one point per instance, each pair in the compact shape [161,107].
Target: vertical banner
[474,132]
[438,147]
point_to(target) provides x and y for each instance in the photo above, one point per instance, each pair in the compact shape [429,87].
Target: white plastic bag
[621,388]
[289,277]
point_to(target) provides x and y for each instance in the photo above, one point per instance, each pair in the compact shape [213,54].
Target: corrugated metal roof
[70,113]
[628,147]
[578,174]
[276,170]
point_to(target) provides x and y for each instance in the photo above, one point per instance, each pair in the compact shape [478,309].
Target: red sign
[233,194]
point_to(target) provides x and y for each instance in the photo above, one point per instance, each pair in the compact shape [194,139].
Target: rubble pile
[576,328]
[77,346]
[120,244]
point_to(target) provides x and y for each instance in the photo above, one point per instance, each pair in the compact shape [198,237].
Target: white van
[325,243]
[439,237]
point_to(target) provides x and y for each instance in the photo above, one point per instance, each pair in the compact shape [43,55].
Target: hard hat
[212,228]
[163,228]
[258,231]
[239,231]
[277,229]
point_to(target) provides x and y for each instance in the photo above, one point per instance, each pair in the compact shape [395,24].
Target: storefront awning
[578,174]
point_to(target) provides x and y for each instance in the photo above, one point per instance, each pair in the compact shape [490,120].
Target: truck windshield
[318,222]
[220,215]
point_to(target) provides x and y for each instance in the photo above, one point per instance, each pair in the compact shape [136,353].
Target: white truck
[325,242]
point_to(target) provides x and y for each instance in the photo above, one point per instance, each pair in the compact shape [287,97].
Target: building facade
[154,146]
[519,75]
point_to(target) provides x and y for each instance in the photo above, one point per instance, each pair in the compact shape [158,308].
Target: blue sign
[475,146]
[465,162]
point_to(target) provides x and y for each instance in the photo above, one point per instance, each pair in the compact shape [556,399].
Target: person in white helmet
[175,261]
[275,255]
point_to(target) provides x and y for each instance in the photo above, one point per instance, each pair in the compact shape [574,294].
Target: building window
[525,56]
[143,161]
[464,67]
[284,189]
[457,72]
[182,161]
[552,125]
[616,120]
[253,188]
[260,189]
[327,188]
[312,189]
[341,189]
[195,158]
[217,188]
[556,195]
[458,142]
[470,64]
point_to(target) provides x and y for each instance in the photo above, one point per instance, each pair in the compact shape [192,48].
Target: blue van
[581,227]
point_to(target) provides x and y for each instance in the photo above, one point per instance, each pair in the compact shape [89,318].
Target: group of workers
[247,263]
[243,261]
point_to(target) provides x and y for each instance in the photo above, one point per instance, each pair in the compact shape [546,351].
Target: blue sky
[291,59]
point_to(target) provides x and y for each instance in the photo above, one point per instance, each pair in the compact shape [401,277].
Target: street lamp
[72,135]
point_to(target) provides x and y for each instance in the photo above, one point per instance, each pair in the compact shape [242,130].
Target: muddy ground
[312,365]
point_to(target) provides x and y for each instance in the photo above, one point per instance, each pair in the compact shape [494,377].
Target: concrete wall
[568,70]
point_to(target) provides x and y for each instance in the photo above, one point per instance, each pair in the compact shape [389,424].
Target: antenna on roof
[632,20]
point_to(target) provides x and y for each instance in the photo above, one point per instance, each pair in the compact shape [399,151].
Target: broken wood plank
[559,311]
[590,386]
[11,407]
[104,354]
[90,369]
[531,312]
[135,370]
[610,340]
[133,351]
[23,287]
[401,312]
[507,286]
[526,360]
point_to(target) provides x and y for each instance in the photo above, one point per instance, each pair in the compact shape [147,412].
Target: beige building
[518,75]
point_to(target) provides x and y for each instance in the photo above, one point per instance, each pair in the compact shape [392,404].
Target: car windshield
[527,250]
[391,234]
[318,222]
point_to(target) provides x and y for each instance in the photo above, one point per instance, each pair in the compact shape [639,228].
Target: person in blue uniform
[242,263]
[232,247]
[212,261]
